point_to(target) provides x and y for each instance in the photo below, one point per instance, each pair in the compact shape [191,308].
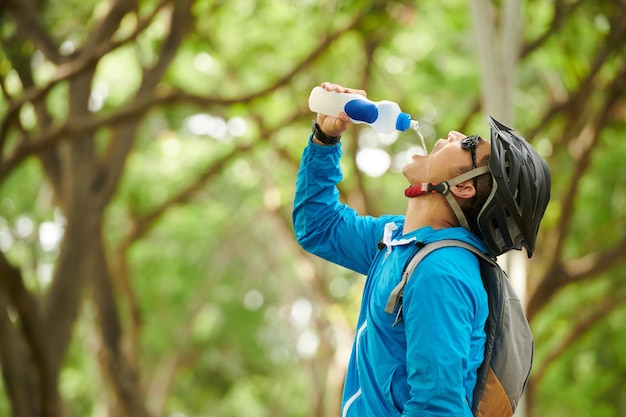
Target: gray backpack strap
[471,248]
[396,294]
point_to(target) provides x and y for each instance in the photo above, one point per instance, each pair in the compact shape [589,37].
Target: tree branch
[586,145]
[562,11]
[71,129]
[557,275]
[29,312]
[110,24]
[15,363]
[123,138]
[581,327]
[142,224]
[25,13]
[70,69]
[594,264]
[579,99]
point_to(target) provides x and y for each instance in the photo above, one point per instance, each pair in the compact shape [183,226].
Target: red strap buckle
[417,190]
[426,187]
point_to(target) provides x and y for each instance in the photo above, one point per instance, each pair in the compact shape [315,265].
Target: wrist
[322,137]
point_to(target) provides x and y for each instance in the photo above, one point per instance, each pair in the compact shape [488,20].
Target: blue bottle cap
[403,122]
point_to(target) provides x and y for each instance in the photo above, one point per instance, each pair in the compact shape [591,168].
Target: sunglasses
[469,144]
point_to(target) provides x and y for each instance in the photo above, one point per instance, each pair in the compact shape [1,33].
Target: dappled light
[204,62]
[203,124]
[253,300]
[374,162]
[148,158]
[50,235]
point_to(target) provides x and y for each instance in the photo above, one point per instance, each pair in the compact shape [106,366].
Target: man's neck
[428,210]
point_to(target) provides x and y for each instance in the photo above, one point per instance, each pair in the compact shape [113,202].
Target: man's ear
[464,190]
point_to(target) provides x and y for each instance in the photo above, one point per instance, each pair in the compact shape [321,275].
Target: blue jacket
[426,364]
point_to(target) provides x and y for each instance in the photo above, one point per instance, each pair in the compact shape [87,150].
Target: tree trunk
[498,42]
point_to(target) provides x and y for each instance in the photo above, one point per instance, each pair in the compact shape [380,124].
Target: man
[422,359]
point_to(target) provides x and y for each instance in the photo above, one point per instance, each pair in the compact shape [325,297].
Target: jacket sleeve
[322,224]
[442,313]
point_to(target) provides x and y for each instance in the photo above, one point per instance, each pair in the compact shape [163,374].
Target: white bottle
[384,116]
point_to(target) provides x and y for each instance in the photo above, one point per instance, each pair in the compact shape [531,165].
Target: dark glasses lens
[469,144]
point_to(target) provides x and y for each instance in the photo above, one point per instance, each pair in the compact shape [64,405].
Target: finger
[354,91]
[341,89]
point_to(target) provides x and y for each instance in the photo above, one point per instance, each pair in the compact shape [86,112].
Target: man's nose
[454,135]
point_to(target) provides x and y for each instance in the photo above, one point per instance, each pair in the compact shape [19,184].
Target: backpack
[509,348]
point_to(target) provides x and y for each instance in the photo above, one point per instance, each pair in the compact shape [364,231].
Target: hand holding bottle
[331,125]
[339,102]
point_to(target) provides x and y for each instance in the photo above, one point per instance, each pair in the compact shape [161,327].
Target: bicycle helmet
[510,217]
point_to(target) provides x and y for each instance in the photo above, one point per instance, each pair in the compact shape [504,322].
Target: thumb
[333,126]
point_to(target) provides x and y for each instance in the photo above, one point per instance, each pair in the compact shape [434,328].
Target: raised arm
[323,225]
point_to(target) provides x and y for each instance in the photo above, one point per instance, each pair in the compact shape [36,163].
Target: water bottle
[384,116]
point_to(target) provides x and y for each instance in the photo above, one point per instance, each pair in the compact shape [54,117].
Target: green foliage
[588,378]
[228,315]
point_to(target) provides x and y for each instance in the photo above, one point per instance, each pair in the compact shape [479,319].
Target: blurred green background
[148,151]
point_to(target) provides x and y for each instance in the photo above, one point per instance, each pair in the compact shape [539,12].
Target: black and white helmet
[510,217]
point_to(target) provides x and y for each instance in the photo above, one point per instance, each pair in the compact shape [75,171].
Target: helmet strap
[444,189]
[425,188]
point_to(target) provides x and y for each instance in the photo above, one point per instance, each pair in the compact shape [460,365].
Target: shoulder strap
[396,295]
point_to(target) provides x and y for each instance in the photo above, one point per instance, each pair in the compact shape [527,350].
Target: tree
[147,157]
